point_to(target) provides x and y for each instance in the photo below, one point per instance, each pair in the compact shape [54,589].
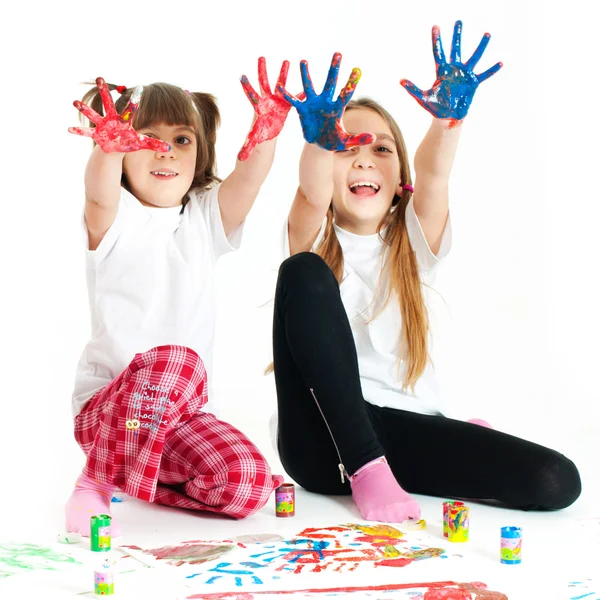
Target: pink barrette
[410,188]
[121,89]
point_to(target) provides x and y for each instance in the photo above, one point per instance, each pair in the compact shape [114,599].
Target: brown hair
[169,104]
[400,260]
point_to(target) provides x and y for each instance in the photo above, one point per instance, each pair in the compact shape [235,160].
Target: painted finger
[487,74]
[361,139]
[247,148]
[87,112]
[456,41]
[348,91]
[332,76]
[307,84]
[85,131]
[148,143]
[263,79]
[438,50]
[293,100]
[132,105]
[470,64]
[107,101]
[283,74]
[412,89]
[250,91]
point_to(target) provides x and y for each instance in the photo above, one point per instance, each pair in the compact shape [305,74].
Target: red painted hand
[114,132]
[271,108]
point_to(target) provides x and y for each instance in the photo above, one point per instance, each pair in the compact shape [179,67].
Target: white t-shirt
[378,340]
[151,283]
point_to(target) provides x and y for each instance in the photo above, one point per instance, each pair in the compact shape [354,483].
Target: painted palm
[114,132]
[452,92]
[321,114]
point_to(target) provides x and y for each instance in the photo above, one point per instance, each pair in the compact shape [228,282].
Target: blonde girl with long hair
[358,411]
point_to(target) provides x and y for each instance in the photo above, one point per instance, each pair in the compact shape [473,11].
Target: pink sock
[379,497]
[480,422]
[89,498]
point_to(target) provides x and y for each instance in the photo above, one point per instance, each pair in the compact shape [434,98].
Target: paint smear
[440,590]
[257,538]
[18,558]
[188,554]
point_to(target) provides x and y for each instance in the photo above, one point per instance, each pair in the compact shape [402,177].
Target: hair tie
[410,188]
[121,89]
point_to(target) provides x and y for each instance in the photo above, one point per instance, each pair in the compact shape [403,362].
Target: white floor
[558,548]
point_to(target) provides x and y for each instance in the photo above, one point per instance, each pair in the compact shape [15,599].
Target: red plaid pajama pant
[145,433]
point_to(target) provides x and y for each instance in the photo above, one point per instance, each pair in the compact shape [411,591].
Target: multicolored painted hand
[320,115]
[114,132]
[456,83]
[271,108]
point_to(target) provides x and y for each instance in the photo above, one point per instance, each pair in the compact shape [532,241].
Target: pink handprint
[114,132]
[271,108]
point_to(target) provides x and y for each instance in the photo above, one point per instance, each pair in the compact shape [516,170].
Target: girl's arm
[312,198]
[240,189]
[114,136]
[102,193]
[448,101]
[320,117]
[433,163]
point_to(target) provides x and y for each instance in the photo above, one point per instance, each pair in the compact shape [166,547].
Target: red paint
[447,595]
[271,108]
[114,133]
[310,532]
[394,562]
[439,590]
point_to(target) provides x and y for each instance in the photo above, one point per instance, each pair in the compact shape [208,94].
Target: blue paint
[452,92]
[320,115]
[312,546]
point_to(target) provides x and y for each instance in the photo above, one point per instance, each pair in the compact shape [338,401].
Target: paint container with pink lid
[285,500]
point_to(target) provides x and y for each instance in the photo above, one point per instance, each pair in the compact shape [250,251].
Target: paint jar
[118,496]
[285,500]
[458,523]
[511,539]
[104,578]
[100,533]
[445,507]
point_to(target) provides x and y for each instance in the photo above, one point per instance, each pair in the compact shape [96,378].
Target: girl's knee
[248,489]
[172,360]
[306,272]
[556,485]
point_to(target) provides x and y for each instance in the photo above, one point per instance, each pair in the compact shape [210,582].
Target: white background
[517,331]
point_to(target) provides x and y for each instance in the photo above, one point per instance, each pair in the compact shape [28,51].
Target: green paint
[30,557]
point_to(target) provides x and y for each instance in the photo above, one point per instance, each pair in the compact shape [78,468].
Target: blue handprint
[223,568]
[456,83]
[320,115]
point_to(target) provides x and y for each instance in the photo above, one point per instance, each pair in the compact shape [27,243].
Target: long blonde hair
[169,104]
[400,260]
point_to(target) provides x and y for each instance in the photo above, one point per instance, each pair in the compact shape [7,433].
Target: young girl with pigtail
[157,219]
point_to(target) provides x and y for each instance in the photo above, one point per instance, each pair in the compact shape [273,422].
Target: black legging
[314,350]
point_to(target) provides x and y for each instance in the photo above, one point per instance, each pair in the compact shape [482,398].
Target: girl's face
[162,179]
[365,178]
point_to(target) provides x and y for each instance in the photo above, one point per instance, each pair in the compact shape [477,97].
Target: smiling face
[366,178]
[162,179]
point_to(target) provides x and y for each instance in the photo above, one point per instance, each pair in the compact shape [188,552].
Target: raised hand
[114,132]
[271,108]
[456,83]
[320,115]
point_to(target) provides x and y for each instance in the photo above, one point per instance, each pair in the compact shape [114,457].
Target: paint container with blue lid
[511,539]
